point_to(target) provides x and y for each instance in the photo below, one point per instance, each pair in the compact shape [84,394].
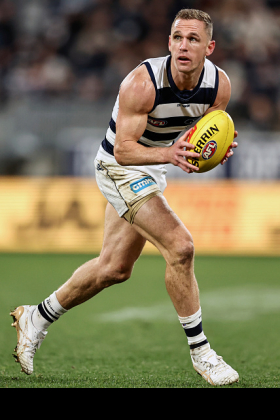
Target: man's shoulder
[157,60]
[137,90]
[224,90]
[139,87]
[222,74]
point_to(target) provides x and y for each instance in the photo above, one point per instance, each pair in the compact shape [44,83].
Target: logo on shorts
[141,184]
[99,167]
[209,150]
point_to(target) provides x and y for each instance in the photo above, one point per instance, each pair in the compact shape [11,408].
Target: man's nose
[184,45]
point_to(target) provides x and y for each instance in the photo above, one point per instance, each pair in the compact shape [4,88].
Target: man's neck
[186,81]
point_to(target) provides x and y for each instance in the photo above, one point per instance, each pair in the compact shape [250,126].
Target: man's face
[189,44]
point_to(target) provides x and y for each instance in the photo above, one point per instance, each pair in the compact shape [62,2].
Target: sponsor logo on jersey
[157,123]
[141,184]
[190,121]
[209,150]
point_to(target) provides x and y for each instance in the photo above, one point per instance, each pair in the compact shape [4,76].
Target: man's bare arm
[136,100]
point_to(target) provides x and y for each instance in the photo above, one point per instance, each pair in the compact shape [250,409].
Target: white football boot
[212,367]
[29,339]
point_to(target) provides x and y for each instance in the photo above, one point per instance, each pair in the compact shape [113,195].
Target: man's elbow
[119,155]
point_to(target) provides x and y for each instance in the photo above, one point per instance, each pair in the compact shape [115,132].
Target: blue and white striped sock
[47,312]
[193,329]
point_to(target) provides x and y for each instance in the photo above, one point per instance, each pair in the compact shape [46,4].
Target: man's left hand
[230,150]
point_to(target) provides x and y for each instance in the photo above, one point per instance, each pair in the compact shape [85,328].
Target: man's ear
[210,48]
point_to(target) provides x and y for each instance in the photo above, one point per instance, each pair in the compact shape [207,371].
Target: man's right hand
[180,152]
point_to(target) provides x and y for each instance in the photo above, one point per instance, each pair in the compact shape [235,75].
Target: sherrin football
[212,137]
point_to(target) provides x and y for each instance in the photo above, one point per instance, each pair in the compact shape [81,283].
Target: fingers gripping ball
[212,137]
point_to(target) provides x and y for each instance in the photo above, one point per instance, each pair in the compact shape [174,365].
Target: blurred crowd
[82,49]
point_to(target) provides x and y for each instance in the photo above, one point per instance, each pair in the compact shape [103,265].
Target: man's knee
[182,252]
[114,275]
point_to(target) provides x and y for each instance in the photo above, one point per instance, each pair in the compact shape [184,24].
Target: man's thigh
[122,244]
[159,224]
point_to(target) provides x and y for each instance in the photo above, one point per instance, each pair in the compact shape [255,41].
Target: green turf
[129,337]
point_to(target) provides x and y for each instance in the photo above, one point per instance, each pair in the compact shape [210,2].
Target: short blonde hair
[194,14]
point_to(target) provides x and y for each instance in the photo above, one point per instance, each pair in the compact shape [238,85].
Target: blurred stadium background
[61,63]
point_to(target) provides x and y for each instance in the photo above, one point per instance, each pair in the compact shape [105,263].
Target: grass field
[129,336]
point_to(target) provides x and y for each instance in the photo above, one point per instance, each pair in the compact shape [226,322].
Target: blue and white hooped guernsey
[174,110]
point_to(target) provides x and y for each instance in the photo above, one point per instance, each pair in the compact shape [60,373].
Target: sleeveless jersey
[174,110]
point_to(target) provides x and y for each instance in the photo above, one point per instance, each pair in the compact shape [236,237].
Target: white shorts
[127,188]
